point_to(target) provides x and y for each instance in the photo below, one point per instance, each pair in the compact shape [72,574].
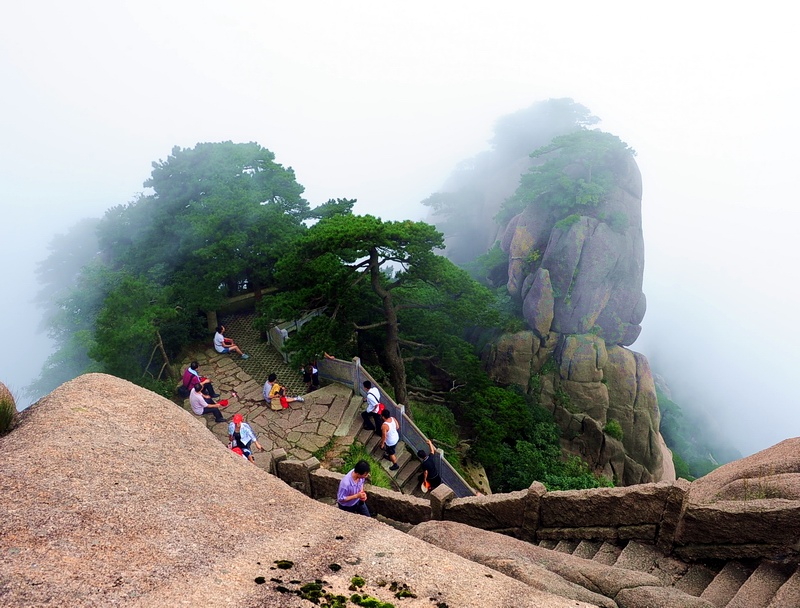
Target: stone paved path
[302,428]
[264,359]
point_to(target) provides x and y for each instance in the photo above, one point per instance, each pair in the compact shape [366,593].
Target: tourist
[311,377]
[191,377]
[268,386]
[429,477]
[277,396]
[201,405]
[351,496]
[242,436]
[372,417]
[225,345]
[390,436]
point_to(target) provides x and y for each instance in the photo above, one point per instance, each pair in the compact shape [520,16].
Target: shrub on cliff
[7,413]
[517,442]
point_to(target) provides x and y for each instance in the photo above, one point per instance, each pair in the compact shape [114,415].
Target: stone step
[759,589]
[638,556]
[587,549]
[721,590]
[407,477]
[373,445]
[788,594]
[547,543]
[607,554]
[658,597]
[669,570]
[566,546]
[364,435]
[403,454]
[350,417]
[696,579]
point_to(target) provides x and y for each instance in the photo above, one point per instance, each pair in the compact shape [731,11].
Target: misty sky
[380,101]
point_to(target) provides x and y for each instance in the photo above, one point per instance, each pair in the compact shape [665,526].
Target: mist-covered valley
[390,124]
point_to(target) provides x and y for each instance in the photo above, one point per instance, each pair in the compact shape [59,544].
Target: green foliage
[128,325]
[561,398]
[7,414]
[490,268]
[383,280]
[568,221]
[517,442]
[436,422]
[691,436]
[533,257]
[508,311]
[576,475]
[460,212]
[377,475]
[681,468]
[618,221]
[575,175]
[613,429]
[219,217]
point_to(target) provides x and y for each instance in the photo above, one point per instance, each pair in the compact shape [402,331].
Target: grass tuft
[8,412]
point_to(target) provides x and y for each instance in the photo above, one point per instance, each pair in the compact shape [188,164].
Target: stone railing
[352,374]
[655,513]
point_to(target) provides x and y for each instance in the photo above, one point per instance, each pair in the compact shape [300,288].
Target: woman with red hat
[242,436]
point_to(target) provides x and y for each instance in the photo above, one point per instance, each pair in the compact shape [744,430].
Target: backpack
[183,391]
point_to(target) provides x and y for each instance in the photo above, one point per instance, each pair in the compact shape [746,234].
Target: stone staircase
[405,478]
[735,584]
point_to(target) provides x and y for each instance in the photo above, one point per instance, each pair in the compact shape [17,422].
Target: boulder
[750,506]
[580,285]
[509,359]
[538,302]
[163,514]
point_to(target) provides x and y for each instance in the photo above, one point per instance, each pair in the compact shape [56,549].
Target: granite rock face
[595,269]
[579,281]
[160,513]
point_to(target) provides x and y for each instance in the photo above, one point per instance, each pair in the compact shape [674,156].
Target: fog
[380,103]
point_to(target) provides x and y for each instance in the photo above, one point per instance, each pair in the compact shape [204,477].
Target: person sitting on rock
[242,436]
[191,377]
[277,396]
[225,345]
[268,386]
[201,405]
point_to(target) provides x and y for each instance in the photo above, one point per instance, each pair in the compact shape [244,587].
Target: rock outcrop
[112,495]
[579,281]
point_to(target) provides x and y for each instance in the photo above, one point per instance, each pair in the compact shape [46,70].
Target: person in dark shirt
[429,477]
[311,377]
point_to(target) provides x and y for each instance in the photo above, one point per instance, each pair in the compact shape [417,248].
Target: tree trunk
[167,365]
[397,368]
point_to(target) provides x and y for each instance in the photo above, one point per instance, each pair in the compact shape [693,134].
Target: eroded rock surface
[112,495]
[580,286]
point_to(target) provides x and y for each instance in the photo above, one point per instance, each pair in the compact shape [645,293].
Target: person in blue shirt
[242,436]
[351,496]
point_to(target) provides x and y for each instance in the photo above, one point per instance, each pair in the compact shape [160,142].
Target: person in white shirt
[390,436]
[225,345]
[372,418]
[200,406]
